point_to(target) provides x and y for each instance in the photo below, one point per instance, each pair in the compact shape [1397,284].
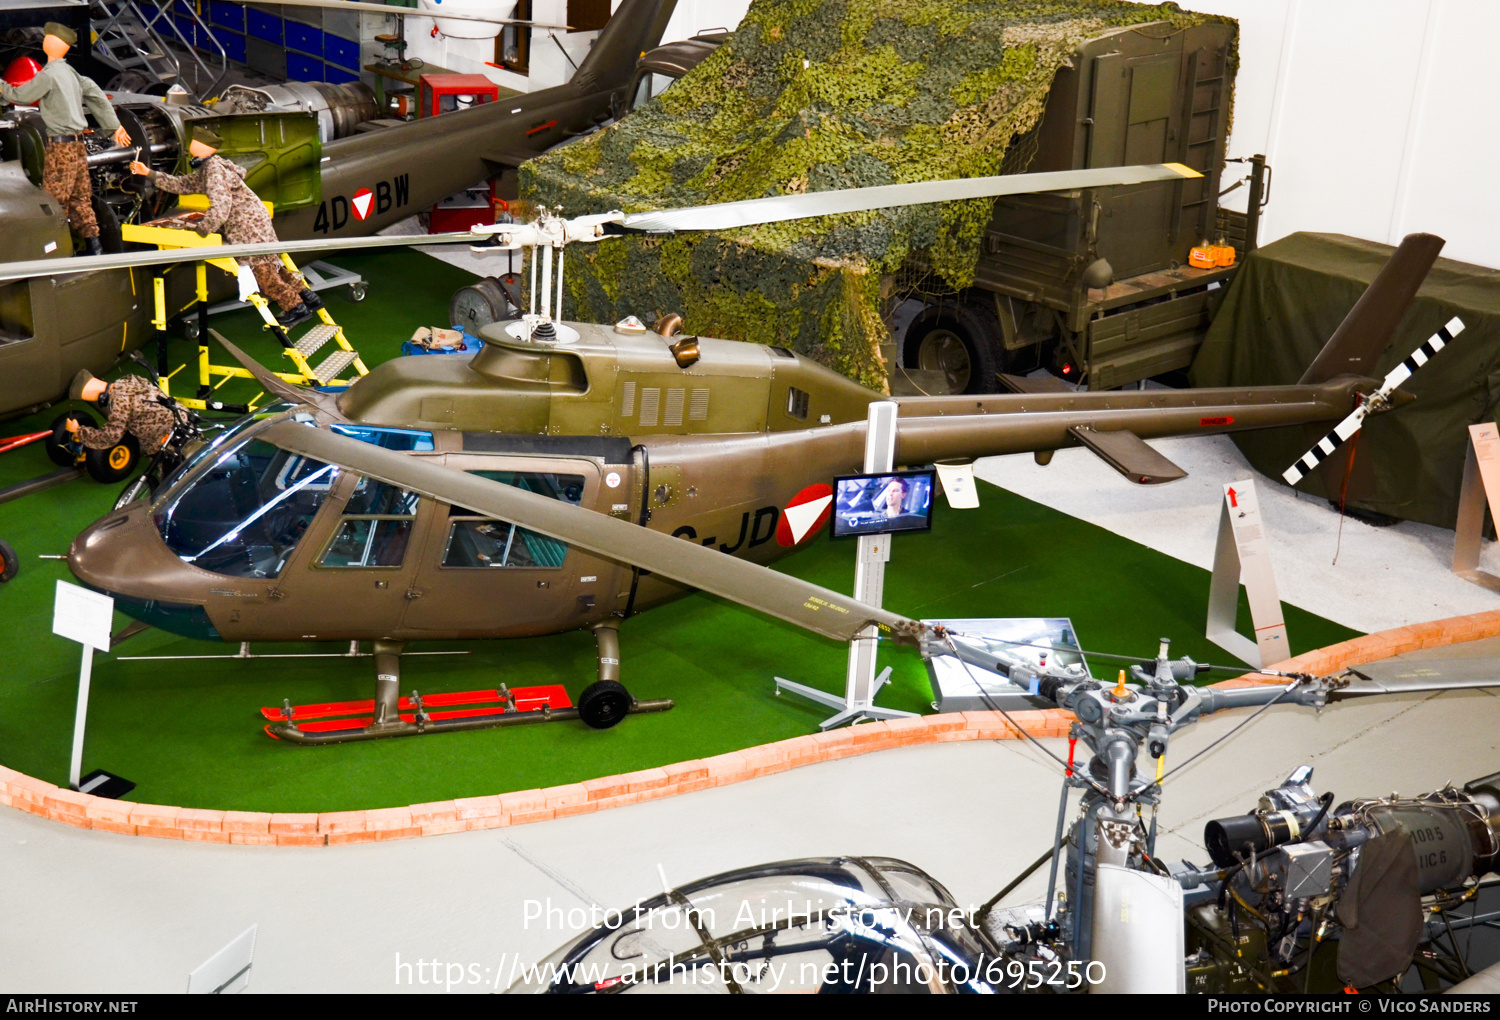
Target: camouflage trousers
[277,282]
[65,175]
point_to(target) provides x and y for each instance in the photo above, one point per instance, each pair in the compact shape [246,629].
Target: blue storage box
[234,44]
[343,52]
[338,75]
[301,67]
[304,38]
[263,26]
[224,14]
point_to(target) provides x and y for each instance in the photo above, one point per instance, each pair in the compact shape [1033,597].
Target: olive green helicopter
[569,475]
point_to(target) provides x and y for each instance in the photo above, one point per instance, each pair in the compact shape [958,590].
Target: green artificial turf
[189,731]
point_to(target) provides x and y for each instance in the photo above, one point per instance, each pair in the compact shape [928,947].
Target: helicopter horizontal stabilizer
[787,598]
[1129,454]
[511,157]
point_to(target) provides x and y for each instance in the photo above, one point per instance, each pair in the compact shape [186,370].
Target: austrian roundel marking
[805,515]
[363,201]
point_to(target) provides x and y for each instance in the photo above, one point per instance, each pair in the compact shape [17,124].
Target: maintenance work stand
[176,231]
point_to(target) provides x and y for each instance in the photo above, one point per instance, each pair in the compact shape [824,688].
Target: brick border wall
[497,811]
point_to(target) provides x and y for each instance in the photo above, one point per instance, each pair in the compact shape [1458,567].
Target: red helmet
[21,71]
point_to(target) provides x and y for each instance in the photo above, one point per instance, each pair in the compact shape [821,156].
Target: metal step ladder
[148,42]
[317,337]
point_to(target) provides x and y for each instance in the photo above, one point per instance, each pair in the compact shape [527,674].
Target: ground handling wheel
[10,563]
[61,449]
[115,462]
[603,704]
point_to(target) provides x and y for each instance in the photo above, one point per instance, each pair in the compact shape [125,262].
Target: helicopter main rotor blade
[127,260]
[326,403]
[825,203]
[1410,676]
[414,12]
[807,605]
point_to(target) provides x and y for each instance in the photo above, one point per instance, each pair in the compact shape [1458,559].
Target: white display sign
[227,972]
[1480,489]
[82,615]
[958,485]
[1243,554]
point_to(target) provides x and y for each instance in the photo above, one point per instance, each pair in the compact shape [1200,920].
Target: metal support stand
[1242,553]
[1481,488]
[861,684]
[80,718]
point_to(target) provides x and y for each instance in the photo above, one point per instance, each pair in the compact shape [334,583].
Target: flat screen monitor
[882,504]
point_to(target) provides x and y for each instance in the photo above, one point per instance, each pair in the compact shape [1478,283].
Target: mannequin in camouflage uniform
[134,406]
[236,211]
[61,94]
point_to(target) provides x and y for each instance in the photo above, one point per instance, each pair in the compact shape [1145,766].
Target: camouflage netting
[811,95]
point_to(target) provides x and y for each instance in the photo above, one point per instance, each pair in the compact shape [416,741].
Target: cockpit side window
[475,540]
[245,515]
[376,527]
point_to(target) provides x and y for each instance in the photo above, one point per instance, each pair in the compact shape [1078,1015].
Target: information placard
[82,615]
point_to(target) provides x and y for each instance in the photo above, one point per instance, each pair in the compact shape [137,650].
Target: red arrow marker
[1232,500]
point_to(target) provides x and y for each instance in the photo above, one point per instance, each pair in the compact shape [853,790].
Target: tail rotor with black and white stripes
[1377,401]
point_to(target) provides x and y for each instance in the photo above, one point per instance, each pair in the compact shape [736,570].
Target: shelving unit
[291,43]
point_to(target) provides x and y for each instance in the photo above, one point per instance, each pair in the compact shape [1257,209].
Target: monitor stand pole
[861,683]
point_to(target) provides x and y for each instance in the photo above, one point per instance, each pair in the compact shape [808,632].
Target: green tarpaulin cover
[1285,302]
[816,95]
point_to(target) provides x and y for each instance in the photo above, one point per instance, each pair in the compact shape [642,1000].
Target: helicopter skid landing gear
[390,715]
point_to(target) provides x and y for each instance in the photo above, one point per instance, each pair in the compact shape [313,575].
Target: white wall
[1376,116]
[549,66]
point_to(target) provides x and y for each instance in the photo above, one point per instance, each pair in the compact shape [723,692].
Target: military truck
[1094,285]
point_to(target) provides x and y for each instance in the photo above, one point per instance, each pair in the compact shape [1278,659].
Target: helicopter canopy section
[822,97]
[834,925]
[240,507]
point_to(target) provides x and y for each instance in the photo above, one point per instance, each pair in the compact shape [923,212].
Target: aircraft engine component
[1455,837]
[339,108]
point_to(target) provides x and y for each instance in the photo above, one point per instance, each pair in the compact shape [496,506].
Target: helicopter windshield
[220,442]
[245,511]
[823,925]
[244,515]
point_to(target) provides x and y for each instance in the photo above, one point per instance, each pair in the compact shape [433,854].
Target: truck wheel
[57,443]
[960,341]
[603,704]
[10,563]
[115,462]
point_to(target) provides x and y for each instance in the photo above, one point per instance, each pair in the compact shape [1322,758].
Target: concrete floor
[93,911]
[1382,578]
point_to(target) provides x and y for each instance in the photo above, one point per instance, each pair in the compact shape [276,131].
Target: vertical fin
[1367,330]
[635,27]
